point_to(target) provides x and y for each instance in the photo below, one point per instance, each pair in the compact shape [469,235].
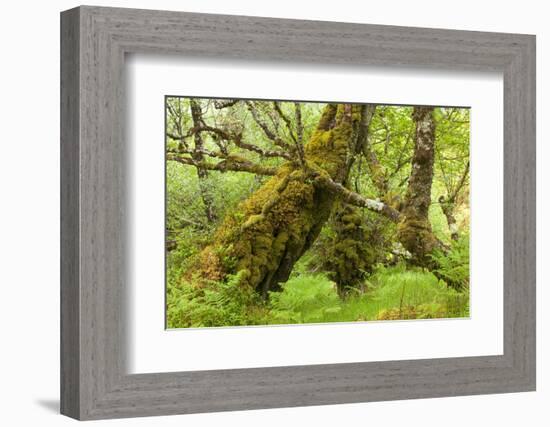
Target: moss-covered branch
[231,163]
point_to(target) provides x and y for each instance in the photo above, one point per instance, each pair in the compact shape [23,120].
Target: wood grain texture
[70,314]
[94,382]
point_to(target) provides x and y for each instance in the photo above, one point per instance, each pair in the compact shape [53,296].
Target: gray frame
[94,383]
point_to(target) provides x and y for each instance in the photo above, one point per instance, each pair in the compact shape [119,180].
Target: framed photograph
[261,213]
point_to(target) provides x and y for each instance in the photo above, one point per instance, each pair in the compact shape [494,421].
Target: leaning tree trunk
[414,229]
[267,233]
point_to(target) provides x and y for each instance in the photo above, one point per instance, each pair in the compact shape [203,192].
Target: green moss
[327,117]
[348,257]
[416,235]
[328,149]
[271,230]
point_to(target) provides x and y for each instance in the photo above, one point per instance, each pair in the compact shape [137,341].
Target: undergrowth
[454,265]
[390,293]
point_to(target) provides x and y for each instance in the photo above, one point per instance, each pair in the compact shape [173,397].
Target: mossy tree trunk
[349,254]
[414,229]
[267,233]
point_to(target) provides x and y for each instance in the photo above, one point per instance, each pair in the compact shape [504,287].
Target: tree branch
[299,124]
[356,199]
[265,128]
[178,137]
[236,139]
[191,152]
[232,163]
[460,184]
[283,116]
[219,103]
[262,152]
[298,141]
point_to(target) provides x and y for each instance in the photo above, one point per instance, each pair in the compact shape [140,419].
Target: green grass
[391,293]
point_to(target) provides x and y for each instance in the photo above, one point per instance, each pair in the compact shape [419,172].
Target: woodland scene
[283,212]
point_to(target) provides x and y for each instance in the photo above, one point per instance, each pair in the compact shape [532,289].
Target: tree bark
[198,157]
[414,229]
[448,204]
[264,237]
[448,208]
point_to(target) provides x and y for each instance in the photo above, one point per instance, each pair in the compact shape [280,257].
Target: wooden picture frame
[94,382]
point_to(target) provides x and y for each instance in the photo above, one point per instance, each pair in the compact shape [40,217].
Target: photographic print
[292,212]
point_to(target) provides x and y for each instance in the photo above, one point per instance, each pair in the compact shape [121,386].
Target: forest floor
[390,293]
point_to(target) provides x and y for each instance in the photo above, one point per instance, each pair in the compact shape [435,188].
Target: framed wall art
[261,213]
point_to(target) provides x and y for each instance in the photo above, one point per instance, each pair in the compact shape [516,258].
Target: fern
[454,266]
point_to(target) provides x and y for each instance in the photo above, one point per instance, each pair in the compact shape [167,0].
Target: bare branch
[356,199]
[178,137]
[236,139]
[445,179]
[403,182]
[176,116]
[261,151]
[460,184]
[202,151]
[377,171]
[233,163]
[402,161]
[219,104]
[265,128]
[299,124]
[283,116]
[300,133]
